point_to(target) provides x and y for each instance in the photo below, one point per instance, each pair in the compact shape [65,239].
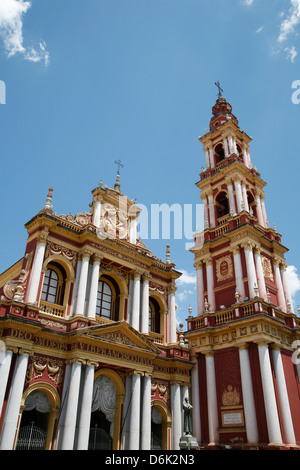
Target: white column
[4,374]
[196,401]
[259,211]
[252,280]
[286,287]
[206,215]
[82,283]
[64,400]
[172,315]
[239,196]
[86,406]
[264,212]
[245,197]
[176,415]
[71,408]
[97,212]
[230,142]
[211,156]
[248,396]
[146,414]
[235,146]
[283,397]
[134,431]
[130,289]
[245,157]
[10,422]
[210,285]
[280,292]
[238,272]
[260,275]
[225,146]
[133,230]
[200,288]
[75,295]
[207,162]
[36,270]
[94,287]
[231,199]
[135,317]
[127,411]
[212,218]
[213,423]
[269,395]
[145,305]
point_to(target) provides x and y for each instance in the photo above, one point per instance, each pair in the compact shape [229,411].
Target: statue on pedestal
[187,421]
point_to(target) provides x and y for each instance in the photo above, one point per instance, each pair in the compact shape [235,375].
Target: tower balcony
[228,223]
[241,311]
[231,159]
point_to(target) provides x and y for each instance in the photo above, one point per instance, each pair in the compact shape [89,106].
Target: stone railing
[242,310]
[52,309]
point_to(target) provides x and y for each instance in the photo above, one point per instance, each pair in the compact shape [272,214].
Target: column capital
[275,346]
[277,261]
[249,245]
[146,276]
[257,249]
[242,346]
[136,372]
[85,253]
[262,342]
[137,273]
[97,257]
[42,237]
[236,250]
[25,351]
[92,363]
[208,261]
[171,289]
[198,265]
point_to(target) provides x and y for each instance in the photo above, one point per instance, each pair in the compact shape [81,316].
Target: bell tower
[245,383]
[245,254]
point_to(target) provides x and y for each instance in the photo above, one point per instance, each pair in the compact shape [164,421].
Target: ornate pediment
[120,334]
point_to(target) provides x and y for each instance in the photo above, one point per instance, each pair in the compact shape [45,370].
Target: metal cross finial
[120,165]
[219,88]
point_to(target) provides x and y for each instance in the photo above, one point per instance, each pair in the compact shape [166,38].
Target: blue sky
[89,82]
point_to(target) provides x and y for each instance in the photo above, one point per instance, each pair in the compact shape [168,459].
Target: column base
[188,442]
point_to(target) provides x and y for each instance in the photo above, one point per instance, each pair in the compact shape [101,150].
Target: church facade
[90,355]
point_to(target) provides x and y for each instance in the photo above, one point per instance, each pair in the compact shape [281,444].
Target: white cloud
[288,24]
[293,280]
[287,28]
[259,30]
[291,53]
[248,2]
[186,278]
[11,32]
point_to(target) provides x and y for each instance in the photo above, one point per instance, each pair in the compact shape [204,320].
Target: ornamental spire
[48,205]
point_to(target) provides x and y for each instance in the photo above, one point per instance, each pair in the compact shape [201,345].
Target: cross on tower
[120,165]
[219,88]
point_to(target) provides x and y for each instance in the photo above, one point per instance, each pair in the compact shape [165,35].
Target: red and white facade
[245,383]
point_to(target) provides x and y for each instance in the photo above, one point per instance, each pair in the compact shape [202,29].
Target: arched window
[252,204]
[54,284]
[154,316]
[219,153]
[104,300]
[222,206]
